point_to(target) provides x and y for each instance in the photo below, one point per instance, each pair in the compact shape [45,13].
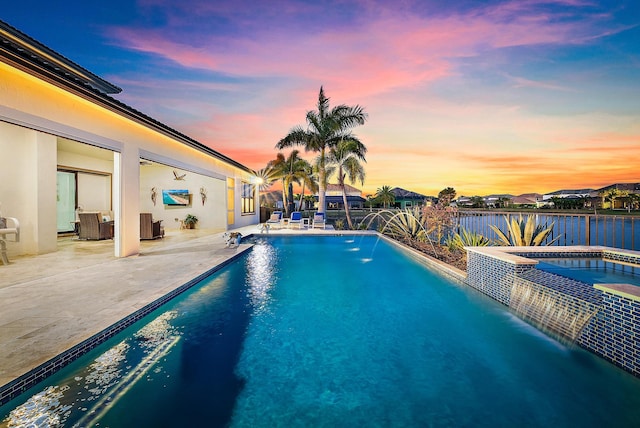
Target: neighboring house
[463,202]
[528,200]
[579,193]
[490,201]
[67,145]
[407,199]
[596,196]
[497,201]
[272,199]
[333,197]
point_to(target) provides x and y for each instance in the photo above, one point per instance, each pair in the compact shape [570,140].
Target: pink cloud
[390,50]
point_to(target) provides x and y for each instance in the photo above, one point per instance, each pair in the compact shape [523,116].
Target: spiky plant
[465,238]
[406,225]
[523,231]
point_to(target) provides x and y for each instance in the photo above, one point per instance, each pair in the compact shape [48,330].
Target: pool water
[336,332]
[592,270]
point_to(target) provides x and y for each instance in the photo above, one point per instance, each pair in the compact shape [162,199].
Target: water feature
[550,311]
[373,250]
[300,332]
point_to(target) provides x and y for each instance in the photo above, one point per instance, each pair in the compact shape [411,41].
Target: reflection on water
[80,399]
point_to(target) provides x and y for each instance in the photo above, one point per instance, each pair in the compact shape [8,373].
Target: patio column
[126,199]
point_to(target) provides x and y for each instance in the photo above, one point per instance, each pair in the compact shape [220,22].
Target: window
[248,198]
[231,195]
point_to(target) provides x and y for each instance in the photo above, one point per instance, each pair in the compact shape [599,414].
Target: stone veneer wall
[613,332]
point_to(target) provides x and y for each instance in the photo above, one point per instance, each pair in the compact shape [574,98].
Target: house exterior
[407,199]
[598,196]
[497,200]
[334,200]
[490,201]
[578,193]
[68,145]
[527,200]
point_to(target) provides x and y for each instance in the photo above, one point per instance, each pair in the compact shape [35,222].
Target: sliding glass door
[66,205]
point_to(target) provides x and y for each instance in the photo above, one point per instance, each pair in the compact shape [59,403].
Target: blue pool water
[335,332]
[592,270]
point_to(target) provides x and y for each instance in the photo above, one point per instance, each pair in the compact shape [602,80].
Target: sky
[487,97]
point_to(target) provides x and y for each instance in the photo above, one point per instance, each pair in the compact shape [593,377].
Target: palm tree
[446,195]
[611,196]
[308,179]
[370,200]
[634,201]
[346,157]
[266,177]
[385,196]
[326,127]
[292,169]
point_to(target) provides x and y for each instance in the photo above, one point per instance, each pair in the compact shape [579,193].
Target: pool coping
[522,256]
[32,377]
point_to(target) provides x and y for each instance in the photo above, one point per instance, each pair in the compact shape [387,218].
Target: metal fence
[618,231]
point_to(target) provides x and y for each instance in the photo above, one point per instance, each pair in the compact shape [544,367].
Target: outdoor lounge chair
[150,229]
[275,219]
[319,221]
[92,228]
[8,226]
[296,220]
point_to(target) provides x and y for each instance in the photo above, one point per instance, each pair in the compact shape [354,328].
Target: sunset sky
[484,96]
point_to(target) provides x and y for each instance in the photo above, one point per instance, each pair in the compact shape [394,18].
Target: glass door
[66,204]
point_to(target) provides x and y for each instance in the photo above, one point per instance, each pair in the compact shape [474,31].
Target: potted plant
[190,221]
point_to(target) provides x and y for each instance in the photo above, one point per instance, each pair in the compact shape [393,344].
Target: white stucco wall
[161,177]
[27,176]
[28,187]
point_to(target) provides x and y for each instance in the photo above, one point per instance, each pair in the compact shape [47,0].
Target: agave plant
[465,238]
[523,231]
[406,225]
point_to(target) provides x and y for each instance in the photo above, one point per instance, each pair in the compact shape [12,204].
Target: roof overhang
[24,53]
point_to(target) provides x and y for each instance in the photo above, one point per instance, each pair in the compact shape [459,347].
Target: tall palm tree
[292,169]
[346,157]
[326,127]
[308,179]
[277,168]
[385,196]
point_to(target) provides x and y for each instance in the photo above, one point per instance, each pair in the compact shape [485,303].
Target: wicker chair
[92,228]
[150,229]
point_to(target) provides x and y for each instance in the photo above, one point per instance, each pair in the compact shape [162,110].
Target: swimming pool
[335,331]
[592,270]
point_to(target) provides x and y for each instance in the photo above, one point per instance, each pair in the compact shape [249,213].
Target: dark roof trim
[30,56]
[27,52]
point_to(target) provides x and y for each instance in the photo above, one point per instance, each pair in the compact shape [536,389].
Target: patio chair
[150,229]
[319,221]
[92,228]
[275,219]
[8,226]
[296,219]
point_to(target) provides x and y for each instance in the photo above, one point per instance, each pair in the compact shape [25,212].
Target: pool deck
[53,302]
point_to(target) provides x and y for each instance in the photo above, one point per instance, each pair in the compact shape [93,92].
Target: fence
[618,231]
